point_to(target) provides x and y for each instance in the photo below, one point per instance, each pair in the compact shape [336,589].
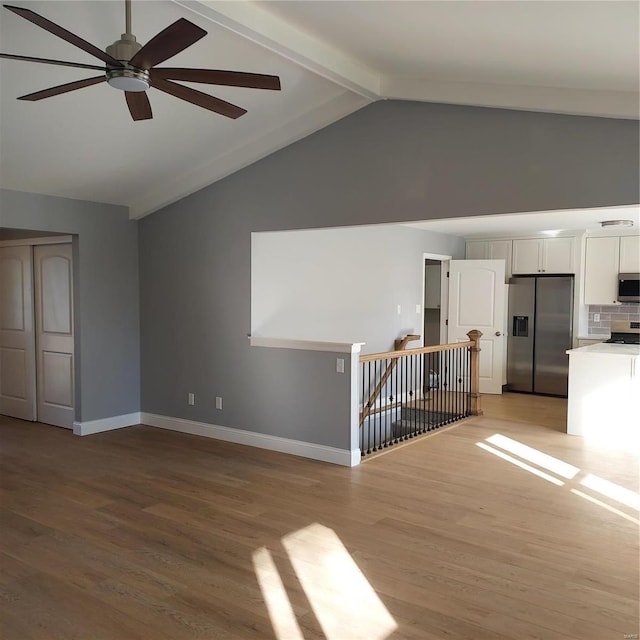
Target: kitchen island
[604,393]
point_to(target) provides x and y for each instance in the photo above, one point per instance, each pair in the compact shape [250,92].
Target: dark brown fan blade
[216,76]
[138,104]
[198,98]
[62,88]
[170,41]
[69,37]
[11,56]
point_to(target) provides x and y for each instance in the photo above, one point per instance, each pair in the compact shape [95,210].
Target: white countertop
[603,348]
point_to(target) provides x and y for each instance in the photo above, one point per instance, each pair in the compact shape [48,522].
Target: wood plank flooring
[148,534]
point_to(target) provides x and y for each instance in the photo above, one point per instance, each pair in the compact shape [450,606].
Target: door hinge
[446,322]
[447,274]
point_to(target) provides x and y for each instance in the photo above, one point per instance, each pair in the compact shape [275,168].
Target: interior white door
[477,301]
[17,341]
[54,334]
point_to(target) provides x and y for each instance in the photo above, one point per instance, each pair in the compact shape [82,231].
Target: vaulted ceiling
[332,57]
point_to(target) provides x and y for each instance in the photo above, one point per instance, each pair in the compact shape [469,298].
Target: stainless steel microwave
[629,287]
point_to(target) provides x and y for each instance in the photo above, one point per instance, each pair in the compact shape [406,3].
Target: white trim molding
[105,424]
[320,452]
[306,345]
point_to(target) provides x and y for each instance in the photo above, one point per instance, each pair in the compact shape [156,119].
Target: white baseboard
[342,457]
[106,424]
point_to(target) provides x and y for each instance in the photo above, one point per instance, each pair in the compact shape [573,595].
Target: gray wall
[106,295]
[391,161]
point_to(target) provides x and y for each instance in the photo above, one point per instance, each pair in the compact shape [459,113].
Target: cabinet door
[630,254]
[558,255]
[501,250]
[601,270]
[527,256]
[477,250]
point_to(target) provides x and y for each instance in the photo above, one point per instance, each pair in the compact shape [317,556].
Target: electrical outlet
[399,308]
[340,365]
[191,398]
[218,402]
[596,317]
[418,308]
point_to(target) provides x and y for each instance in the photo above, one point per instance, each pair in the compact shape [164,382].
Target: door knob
[498,333]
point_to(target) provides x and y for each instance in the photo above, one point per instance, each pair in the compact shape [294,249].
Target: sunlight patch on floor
[590,481]
[612,490]
[275,596]
[543,460]
[604,505]
[519,463]
[341,598]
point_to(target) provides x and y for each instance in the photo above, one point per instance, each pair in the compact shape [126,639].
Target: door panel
[57,375]
[476,301]
[54,333]
[17,342]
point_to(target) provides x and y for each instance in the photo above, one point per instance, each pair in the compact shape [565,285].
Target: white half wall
[354,284]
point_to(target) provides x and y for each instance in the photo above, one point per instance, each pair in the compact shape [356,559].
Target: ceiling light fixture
[616,223]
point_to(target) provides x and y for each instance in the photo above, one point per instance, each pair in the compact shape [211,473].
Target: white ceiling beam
[252,21]
[606,104]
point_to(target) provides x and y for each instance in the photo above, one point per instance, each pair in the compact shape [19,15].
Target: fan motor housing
[125,48]
[126,78]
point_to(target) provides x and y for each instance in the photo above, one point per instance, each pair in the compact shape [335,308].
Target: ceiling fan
[131,67]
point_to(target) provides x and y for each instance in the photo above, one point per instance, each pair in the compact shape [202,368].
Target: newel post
[474,336]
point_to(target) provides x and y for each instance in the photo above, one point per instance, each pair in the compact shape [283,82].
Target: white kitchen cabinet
[602,258]
[544,255]
[491,250]
[604,384]
[476,250]
[630,254]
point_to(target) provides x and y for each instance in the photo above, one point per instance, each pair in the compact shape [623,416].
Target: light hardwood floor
[147,534]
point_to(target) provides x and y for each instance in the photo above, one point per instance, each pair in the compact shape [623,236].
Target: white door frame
[444,293]
[50,240]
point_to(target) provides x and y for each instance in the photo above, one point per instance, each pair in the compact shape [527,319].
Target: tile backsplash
[626,311]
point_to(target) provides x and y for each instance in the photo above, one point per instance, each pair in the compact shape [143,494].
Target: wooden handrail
[397,354]
[400,345]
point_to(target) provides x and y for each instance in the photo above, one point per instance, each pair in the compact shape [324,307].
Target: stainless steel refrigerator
[540,332]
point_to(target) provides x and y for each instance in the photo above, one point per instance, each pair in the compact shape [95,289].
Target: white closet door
[17,342]
[54,334]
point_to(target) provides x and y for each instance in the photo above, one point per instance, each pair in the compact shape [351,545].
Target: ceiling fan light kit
[129,67]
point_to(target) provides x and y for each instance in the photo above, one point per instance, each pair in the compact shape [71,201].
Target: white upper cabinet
[491,250]
[601,270]
[544,255]
[630,254]
[476,250]
[527,256]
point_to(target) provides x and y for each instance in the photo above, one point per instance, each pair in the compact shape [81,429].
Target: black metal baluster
[458,380]
[402,394]
[411,395]
[368,396]
[422,393]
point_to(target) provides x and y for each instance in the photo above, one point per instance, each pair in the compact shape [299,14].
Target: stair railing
[400,345]
[412,391]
